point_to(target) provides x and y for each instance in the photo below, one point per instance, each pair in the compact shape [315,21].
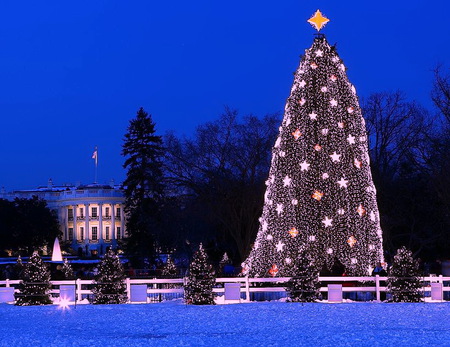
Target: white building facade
[91,217]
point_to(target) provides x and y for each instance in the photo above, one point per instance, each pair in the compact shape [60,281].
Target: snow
[249,324]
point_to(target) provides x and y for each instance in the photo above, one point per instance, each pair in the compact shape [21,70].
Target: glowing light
[279,246]
[304,166]
[358,163]
[293,232]
[327,222]
[342,183]
[313,116]
[273,270]
[351,241]
[333,102]
[63,303]
[279,209]
[361,210]
[302,84]
[317,195]
[335,157]
[318,21]
[317,147]
[297,133]
[287,181]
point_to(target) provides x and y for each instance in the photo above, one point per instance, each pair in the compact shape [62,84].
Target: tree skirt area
[249,324]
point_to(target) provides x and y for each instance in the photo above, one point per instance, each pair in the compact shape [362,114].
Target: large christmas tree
[320,197]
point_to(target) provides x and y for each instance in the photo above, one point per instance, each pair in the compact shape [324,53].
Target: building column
[75,228]
[113,224]
[66,223]
[100,227]
[86,223]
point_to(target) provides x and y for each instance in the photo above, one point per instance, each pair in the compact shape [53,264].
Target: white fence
[160,288]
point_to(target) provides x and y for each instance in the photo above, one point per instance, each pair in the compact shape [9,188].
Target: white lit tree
[320,194]
[109,284]
[35,286]
[67,270]
[170,269]
[404,278]
[304,284]
[200,281]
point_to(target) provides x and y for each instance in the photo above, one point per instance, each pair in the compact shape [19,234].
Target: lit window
[94,233]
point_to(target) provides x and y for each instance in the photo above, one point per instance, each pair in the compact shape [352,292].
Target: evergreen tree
[320,193]
[143,184]
[170,269]
[304,285]
[200,281]
[18,268]
[404,278]
[67,270]
[110,287]
[35,286]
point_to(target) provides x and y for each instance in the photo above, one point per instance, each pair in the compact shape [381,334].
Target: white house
[91,216]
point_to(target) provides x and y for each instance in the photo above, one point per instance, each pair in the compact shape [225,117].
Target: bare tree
[400,134]
[223,168]
[398,131]
[440,93]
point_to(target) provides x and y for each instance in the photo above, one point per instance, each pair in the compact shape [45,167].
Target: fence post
[7,282]
[78,289]
[377,287]
[247,289]
[127,281]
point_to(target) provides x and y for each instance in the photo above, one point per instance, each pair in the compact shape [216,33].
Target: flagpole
[95,157]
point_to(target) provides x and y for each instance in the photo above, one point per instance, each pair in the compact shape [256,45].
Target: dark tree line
[409,149]
[214,180]
[26,225]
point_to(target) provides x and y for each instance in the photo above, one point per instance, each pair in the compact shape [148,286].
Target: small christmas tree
[67,270]
[225,260]
[170,269]
[404,278]
[109,286]
[200,281]
[35,285]
[304,284]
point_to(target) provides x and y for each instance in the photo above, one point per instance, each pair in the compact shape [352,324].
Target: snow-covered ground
[249,324]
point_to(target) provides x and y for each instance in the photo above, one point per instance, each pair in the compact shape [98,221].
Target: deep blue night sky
[72,74]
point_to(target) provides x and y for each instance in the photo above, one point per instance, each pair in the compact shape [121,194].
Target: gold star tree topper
[318,21]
